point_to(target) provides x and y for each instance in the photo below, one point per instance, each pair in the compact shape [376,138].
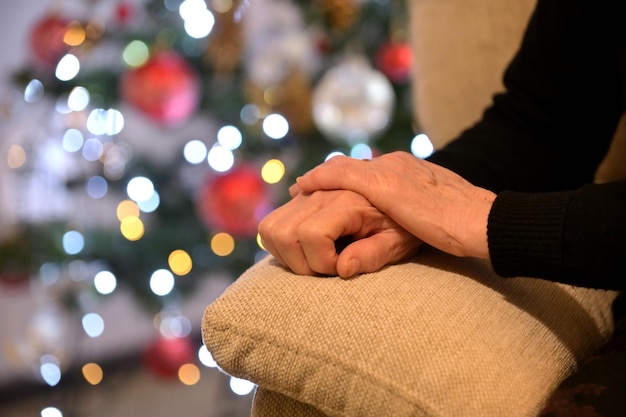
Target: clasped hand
[387,207]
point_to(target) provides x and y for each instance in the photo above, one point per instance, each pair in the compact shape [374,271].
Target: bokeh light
[105,122]
[105,282]
[132,228]
[93,324]
[206,358]
[51,412]
[195,151]
[241,386]
[222,244]
[50,373]
[73,242]
[259,242]
[16,156]
[34,91]
[140,188]
[73,140]
[199,20]
[361,151]
[220,158]
[92,149]
[189,374]
[151,204]
[421,146]
[180,262]
[229,137]
[127,208]
[67,68]
[275,126]
[273,171]
[92,372]
[78,99]
[334,154]
[136,53]
[75,34]
[96,187]
[161,282]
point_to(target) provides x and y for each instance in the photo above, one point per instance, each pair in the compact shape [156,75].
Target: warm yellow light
[75,34]
[222,244]
[132,228]
[127,208]
[273,171]
[93,373]
[180,262]
[259,241]
[189,374]
[16,157]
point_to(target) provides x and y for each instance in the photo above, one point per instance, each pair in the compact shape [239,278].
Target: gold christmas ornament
[225,45]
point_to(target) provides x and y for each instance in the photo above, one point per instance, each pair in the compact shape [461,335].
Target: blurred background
[141,141]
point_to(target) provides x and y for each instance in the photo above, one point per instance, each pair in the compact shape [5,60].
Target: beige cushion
[440,336]
[461,49]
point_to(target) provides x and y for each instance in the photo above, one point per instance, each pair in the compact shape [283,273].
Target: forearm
[576,237]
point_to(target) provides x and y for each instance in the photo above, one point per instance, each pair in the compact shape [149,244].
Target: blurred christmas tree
[173,126]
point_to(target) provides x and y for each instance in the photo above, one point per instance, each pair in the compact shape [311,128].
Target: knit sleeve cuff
[525,234]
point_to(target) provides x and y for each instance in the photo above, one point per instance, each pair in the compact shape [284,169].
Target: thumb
[374,252]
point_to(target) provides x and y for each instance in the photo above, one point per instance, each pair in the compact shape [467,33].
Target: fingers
[302,235]
[374,252]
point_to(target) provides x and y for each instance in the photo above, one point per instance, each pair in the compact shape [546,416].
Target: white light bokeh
[421,146]
[73,242]
[51,373]
[275,126]
[200,25]
[241,386]
[51,412]
[105,122]
[92,149]
[206,358]
[220,158]
[162,282]
[93,324]
[67,68]
[105,282]
[334,154]
[195,151]
[151,204]
[140,189]
[361,151]
[229,137]
[72,140]
[78,99]
[34,91]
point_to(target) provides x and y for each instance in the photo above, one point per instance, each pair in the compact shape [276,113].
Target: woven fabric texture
[439,336]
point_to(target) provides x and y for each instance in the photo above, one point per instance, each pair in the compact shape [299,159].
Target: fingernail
[354,267]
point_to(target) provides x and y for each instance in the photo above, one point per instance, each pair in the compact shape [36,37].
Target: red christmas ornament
[165,356]
[166,88]
[395,60]
[234,202]
[45,40]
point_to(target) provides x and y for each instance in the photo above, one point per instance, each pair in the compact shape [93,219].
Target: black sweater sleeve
[539,145]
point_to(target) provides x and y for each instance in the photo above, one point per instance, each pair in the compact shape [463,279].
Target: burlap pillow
[439,336]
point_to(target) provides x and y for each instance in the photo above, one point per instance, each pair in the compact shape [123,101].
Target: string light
[180,262]
[273,171]
[93,374]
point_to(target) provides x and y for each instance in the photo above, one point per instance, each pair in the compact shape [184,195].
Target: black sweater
[539,144]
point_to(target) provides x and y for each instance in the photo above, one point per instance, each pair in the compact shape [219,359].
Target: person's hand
[433,203]
[303,233]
